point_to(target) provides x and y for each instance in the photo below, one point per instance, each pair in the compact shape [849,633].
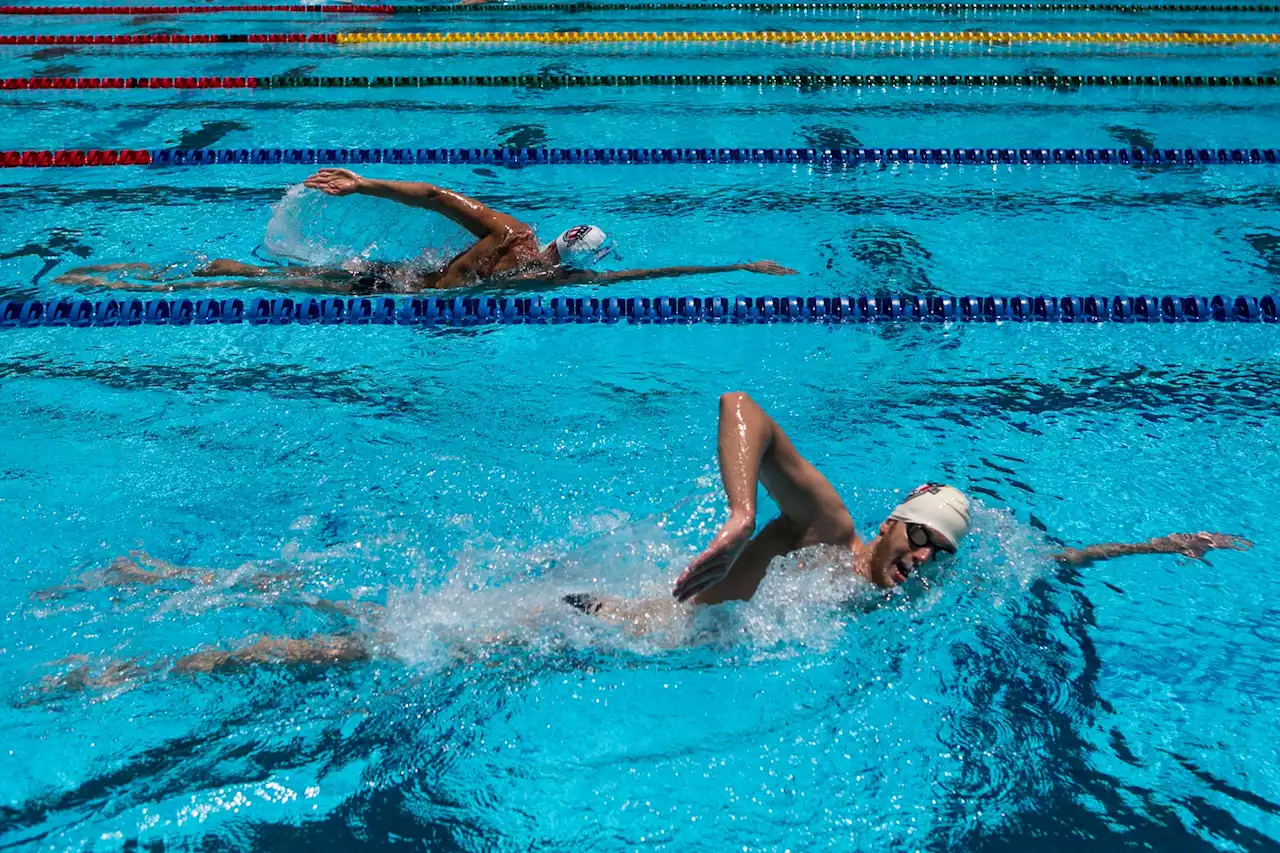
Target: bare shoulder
[832,525]
[517,233]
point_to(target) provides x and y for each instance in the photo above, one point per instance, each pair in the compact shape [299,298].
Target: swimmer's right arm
[753,449]
[478,218]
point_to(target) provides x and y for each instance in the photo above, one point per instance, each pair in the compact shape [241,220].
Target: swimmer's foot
[89,675]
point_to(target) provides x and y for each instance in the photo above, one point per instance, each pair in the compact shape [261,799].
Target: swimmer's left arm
[475,216]
[1193,545]
[588,277]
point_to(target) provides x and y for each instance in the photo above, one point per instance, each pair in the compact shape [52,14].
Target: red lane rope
[314,38]
[183,10]
[128,157]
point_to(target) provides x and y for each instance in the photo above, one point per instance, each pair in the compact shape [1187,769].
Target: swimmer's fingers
[1194,545]
[1226,541]
[699,576]
[770,268]
[333,181]
[688,591]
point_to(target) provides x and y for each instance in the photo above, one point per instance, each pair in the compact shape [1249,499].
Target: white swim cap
[942,509]
[582,244]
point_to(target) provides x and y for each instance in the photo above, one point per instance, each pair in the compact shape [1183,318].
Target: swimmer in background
[506,254]
[927,526]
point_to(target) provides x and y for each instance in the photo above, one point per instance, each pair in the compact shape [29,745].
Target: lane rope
[567,81]
[700,36]
[478,310]
[523,157]
[505,8]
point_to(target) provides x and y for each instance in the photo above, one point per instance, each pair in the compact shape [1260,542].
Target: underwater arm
[1192,545]
[765,267]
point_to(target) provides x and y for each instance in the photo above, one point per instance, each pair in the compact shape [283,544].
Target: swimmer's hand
[769,268]
[471,2]
[713,565]
[1194,545]
[334,181]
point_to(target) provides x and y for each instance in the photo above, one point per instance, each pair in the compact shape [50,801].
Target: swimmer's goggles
[920,537]
[609,251]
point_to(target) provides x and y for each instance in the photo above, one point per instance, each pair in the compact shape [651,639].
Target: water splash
[312,228]
[502,594]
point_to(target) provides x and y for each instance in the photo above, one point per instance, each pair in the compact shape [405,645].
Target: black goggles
[920,537]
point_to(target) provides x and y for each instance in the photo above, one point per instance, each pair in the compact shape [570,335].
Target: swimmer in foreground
[928,525]
[931,522]
[507,254]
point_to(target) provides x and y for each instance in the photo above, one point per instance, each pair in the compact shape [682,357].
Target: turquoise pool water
[466,479]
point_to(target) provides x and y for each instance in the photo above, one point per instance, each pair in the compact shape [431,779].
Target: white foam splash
[312,228]
[500,595]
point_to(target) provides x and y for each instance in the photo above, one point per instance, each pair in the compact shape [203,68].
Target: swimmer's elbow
[738,401]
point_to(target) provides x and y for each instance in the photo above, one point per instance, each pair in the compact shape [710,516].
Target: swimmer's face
[894,556]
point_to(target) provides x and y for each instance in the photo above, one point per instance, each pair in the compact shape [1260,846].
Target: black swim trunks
[583,601]
[374,277]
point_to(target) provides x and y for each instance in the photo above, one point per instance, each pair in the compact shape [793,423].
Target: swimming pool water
[468,478]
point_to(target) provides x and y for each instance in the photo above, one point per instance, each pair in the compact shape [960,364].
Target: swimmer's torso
[497,256]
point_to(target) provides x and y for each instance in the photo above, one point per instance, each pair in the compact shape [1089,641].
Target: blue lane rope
[481,310]
[519,157]
[610,156]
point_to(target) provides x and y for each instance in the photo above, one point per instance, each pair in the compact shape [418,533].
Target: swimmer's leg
[310,284]
[122,571]
[87,275]
[637,616]
[141,569]
[226,266]
[135,266]
[86,675]
[364,611]
[318,650]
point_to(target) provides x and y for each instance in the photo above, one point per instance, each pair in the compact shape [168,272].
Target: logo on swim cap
[584,244]
[580,238]
[927,488]
[943,509]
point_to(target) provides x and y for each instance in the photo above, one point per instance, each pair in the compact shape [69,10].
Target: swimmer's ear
[884,527]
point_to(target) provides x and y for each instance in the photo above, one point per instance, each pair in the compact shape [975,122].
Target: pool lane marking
[692,37]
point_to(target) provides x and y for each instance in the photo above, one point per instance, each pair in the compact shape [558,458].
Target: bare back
[496,255]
